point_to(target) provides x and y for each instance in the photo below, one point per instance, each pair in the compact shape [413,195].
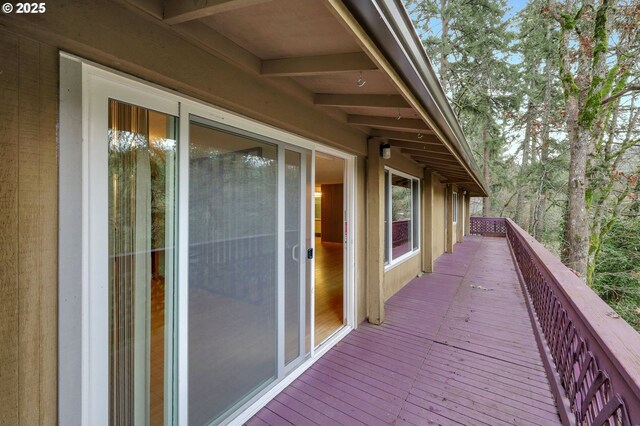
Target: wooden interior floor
[457,347]
[157,367]
[329,311]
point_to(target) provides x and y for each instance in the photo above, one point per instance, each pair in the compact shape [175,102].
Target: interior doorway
[330,246]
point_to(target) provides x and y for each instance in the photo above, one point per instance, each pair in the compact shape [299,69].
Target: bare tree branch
[632,88]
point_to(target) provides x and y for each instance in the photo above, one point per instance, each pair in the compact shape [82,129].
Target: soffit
[282,35]
[376,82]
[284,29]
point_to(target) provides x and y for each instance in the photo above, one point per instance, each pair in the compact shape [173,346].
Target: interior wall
[28,231]
[331,216]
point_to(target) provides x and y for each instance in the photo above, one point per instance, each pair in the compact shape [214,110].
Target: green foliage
[550,67]
[617,270]
[569,23]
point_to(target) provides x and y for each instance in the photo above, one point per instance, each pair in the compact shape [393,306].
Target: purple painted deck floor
[457,347]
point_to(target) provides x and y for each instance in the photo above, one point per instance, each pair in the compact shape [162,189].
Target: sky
[516,6]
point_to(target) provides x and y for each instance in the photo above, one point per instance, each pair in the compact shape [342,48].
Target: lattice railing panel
[488,226]
[587,386]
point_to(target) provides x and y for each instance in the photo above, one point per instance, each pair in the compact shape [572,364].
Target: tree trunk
[576,240]
[583,110]
[522,187]
[486,155]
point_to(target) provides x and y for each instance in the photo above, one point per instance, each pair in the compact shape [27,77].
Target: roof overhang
[294,64]
[389,25]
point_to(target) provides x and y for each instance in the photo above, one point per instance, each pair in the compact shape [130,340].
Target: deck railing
[488,226]
[591,354]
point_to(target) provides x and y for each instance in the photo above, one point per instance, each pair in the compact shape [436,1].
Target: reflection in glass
[292,255]
[401,215]
[142,167]
[232,270]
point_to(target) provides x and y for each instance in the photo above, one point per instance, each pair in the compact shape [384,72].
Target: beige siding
[361,282]
[400,275]
[28,231]
[439,243]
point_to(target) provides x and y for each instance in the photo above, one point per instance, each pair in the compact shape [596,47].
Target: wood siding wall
[398,277]
[28,231]
[439,233]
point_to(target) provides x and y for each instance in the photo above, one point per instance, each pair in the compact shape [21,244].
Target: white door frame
[100,84]
[349,241]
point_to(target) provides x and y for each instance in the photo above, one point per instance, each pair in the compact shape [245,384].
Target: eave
[389,26]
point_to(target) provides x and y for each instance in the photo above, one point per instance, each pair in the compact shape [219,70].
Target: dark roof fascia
[389,25]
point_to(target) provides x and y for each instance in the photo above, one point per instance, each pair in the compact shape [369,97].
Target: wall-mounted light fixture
[318,194]
[385,151]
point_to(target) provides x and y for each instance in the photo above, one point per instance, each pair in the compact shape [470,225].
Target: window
[455,207]
[402,216]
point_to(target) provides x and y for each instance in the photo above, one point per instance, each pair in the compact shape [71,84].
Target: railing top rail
[613,336]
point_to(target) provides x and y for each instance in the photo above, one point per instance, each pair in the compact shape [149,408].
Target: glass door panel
[142,172]
[233,273]
[295,199]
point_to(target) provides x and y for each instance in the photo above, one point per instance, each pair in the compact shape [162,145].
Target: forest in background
[548,96]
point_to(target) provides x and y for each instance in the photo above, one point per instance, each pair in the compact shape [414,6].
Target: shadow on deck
[457,347]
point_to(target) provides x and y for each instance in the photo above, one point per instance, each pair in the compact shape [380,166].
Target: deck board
[457,347]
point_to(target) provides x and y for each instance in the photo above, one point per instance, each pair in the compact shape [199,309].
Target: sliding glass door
[246,266]
[199,275]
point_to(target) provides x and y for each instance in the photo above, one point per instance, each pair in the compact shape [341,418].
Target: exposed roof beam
[447,168]
[446,174]
[420,147]
[388,122]
[312,65]
[361,101]
[178,11]
[429,155]
[427,136]
[437,161]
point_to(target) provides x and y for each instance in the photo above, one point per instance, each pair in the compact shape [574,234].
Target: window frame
[389,261]
[454,199]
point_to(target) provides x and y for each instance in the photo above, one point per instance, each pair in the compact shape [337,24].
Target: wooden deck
[457,347]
